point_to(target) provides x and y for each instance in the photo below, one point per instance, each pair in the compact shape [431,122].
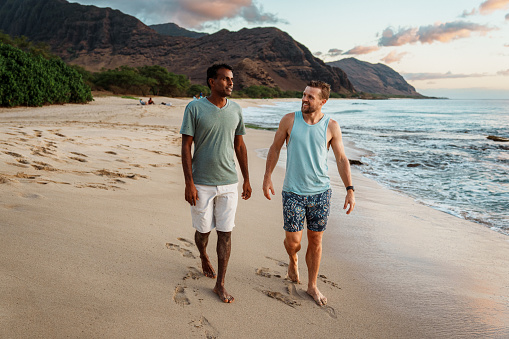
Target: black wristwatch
[350,188]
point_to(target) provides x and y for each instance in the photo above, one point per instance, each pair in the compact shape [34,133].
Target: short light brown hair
[323,86]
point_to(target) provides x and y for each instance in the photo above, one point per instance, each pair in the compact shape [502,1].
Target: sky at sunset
[448,48]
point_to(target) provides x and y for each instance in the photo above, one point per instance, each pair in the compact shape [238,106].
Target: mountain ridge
[375,78]
[172,29]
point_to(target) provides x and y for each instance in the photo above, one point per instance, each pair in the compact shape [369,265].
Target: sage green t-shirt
[213,130]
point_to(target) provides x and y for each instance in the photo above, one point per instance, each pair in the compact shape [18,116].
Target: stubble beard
[307,110]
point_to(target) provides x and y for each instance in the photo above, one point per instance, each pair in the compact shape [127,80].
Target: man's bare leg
[201,240]
[313,257]
[223,255]
[292,246]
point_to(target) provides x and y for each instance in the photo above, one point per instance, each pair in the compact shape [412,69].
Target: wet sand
[97,242]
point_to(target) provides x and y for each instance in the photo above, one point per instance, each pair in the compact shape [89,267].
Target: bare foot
[293,270]
[208,270]
[317,296]
[223,295]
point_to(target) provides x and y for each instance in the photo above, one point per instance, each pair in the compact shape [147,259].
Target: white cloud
[491,6]
[393,57]
[442,32]
[191,13]
[358,50]
[487,7]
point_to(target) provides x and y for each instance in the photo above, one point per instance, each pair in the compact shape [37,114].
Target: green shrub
[197,89]
[30,79]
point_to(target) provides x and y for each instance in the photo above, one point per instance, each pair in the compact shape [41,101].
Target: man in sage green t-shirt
[216,127]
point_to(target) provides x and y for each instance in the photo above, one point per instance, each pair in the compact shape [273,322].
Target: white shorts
[215,208]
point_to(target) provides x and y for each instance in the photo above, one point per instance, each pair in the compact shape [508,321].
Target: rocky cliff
[104,38]
[172,29]
[374,78]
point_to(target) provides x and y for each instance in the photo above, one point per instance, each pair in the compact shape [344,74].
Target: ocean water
[435,151]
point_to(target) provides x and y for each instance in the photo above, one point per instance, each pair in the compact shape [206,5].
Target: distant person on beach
[150,101]
[142,102]
[308,134]
[215,125]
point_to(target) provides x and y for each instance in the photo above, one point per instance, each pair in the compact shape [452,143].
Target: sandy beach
[96,242]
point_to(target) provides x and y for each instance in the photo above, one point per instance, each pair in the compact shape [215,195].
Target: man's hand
[191,194]
[349,201]
[267,186]
[246,190]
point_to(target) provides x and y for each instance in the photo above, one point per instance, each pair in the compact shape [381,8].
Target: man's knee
[224,235]
[292,243]
[315,239]
[201,236]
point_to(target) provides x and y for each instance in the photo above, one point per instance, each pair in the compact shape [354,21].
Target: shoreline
[98,243]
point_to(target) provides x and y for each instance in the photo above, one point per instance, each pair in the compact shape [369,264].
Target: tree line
[158,81]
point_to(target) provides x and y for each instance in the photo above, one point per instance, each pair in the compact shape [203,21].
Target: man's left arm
[241,153]
[342,162]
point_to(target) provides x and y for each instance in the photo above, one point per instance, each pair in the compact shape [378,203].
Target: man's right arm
[285,126]
[191,194]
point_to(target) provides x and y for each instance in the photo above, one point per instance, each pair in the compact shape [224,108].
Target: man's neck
[217,100]
[313,118]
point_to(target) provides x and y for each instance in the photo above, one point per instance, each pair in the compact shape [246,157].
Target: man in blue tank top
[306,189]
[215,125]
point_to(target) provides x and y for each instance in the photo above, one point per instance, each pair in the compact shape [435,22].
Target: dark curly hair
[212,71]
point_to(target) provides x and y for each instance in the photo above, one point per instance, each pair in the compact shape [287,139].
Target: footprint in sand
[281,297]
[185,253]
[110,174]
[278,262]
[17,165]
[80,154]
[265,272]
[30,195]
[179,296]
[42,166]
[22,175]
[193,273]
[327,281]
[78,159]
[209,330]
[292,290]
[12,154]
[186,242]
[331,312]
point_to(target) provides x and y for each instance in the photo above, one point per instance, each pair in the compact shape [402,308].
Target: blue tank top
[306,162]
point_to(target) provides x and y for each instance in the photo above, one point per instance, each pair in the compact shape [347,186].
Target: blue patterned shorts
[314,208]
